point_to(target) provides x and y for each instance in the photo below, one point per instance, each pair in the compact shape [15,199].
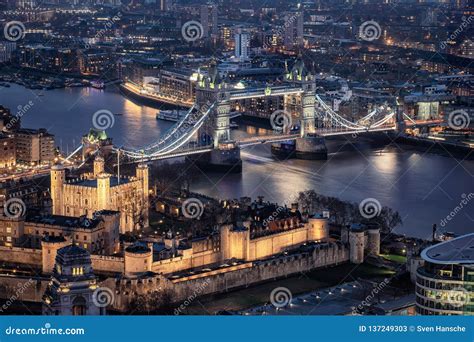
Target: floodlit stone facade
[98,191]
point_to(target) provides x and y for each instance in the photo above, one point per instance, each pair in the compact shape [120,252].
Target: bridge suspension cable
[176,137]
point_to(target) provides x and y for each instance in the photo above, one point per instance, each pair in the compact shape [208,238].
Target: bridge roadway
[246,142]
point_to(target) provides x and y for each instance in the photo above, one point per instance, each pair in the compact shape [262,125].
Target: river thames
[424,187]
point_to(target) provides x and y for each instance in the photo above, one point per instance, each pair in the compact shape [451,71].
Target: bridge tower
[400,120]
[212,90]
[309,145]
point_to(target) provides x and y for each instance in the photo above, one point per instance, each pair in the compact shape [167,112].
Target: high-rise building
[25,3]
[6,50]
[445,283]
[34,146]
[293,30]
[242,43]
[167,5]
[209,21]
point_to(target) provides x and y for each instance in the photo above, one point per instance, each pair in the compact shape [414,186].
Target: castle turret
[49,249]
[99,166]
[138,260]
[373,240]
[235,242]
[58,177]
[318,228]
[103,191]
[357,243]
[111,230]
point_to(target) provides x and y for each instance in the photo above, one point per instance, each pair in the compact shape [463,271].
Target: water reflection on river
[424,187]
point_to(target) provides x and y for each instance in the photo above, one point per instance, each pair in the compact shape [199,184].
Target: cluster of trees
[156,302]
[168,178]
[344,212]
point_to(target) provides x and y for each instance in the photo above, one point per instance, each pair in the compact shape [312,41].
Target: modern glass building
[445,284]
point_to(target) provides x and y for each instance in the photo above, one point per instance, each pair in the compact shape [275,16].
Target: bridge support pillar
[225,158]
[311,146]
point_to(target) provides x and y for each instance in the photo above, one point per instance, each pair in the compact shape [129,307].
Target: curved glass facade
[445,289]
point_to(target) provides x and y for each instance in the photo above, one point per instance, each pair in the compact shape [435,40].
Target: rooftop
[92,183]
[65,221]
[459,250]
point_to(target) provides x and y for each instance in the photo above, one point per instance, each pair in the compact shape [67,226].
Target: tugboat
[98,84]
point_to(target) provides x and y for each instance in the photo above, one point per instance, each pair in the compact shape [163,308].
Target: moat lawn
[299,283]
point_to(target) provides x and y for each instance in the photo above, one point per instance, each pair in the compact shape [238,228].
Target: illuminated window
[77,271]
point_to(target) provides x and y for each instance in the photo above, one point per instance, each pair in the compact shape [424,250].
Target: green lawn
[307,282]
[400,259]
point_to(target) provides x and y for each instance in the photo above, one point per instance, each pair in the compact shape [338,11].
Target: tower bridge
[205,129]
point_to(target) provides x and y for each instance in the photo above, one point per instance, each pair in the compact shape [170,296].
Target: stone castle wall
[24,256]
[33,257]
[266,246]
[186,261]
[233,277]
[216,281]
